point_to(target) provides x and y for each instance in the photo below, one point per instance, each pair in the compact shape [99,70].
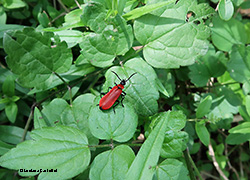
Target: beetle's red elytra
[111,97]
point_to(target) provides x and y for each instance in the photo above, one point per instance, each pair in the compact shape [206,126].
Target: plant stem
[112,145]
[216,164]
[190,164]
[134,145]
[64,7]
[70,95]
[28,122]
[100,146]
[68,86]
[77,3]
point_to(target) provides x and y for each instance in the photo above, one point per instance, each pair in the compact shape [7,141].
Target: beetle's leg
[116,85]
[102,94]
[123,94]
[117,102]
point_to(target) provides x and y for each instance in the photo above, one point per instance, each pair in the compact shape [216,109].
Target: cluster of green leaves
[193,82]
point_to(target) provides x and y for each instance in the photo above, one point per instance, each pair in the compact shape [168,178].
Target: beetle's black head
[123,81]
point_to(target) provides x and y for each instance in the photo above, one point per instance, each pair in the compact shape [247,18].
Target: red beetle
[108,100]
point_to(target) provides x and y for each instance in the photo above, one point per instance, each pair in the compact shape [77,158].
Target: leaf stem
[68,86]
[112,145]
[100,146]
[77,3]
[215,85]
[70,95]
[190,164]
[28,122]
[134,145]
[60,15]
[64,7]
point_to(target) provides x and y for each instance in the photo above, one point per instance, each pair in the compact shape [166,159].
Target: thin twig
[64,7]
[68,86]
[77,3]
[216,165]
[28,122]
[100,146]
[209,175]
[60,15]
[229,163]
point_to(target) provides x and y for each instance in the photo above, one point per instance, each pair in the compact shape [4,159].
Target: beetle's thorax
[121,86]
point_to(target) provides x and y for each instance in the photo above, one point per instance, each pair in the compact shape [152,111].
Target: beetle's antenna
[131,76]
[116,75]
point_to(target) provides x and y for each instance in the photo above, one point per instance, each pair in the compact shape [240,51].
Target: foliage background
[187,110]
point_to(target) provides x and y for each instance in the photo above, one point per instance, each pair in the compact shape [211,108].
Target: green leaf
[59,112]
[232,84]
[75,72]
[101,48]
[8,27]
[65,147]
[39,121]
[245,5]
[71,37]
[138,12]
[3,16]
[94,16]
[244,114]
[174,141]
[247,27]
[121,6]
[72,19]
[43,19]
[234,139]
[225,103]
[5,147]
[4,101]
[239,65]
[8,87]
[141,89]
[172,169]
[112,164]
[143,166]
[12,134]
[238,2]
[37,63]
[11,111]
[13,4]
[204,106]
[81,110]
[202,132]
[170,41]
[119,126]
[166,83]
[227,33]
[243,128]
[161,88]
[210,65]
[226,9]
[176,121]
[248,104]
